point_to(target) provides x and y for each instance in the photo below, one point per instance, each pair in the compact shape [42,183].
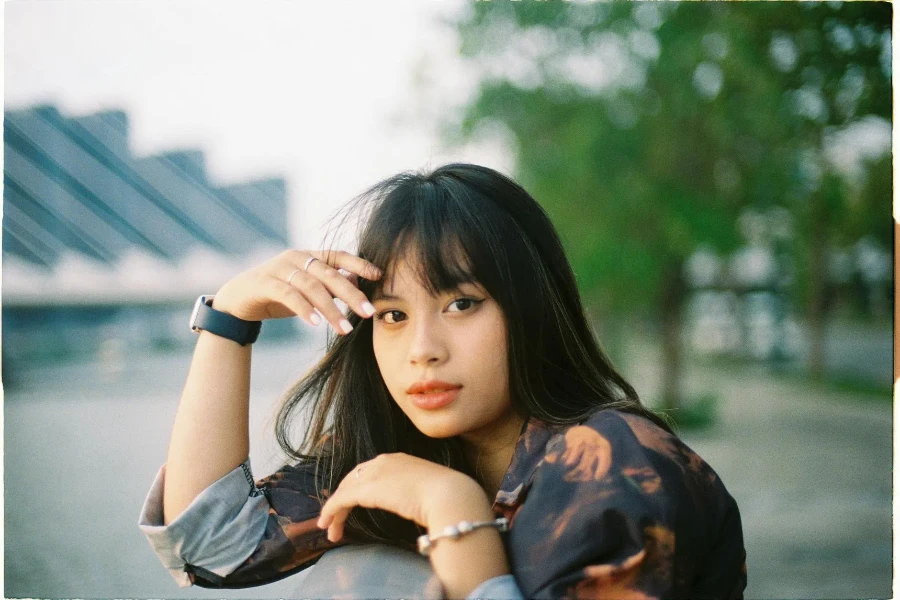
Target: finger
[340,287]
[340,498]
[350,262]
[291,298]
[315,292]
[336,525]
[347,494]
[334,515]
[336,531]
[324,521]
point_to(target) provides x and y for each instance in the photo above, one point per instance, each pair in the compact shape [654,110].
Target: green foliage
[868,211]
[715,107]
[700,412]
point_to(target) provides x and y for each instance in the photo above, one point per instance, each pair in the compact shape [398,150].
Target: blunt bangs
[446,232]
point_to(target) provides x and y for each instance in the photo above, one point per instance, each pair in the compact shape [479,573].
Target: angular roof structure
[75,194]
[71,184]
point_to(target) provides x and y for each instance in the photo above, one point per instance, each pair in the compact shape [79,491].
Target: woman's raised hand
[427,493]
[433,496]
[299,282]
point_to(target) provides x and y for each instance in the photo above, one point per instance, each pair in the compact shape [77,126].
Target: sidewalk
[810,470]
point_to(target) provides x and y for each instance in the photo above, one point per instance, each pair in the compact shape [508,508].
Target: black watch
[206,318]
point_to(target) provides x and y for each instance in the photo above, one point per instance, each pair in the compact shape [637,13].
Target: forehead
[411,273]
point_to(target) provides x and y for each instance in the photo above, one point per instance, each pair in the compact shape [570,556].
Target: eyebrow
[377,297]
[392,298]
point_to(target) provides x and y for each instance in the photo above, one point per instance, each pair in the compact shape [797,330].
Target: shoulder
[606,437]
[629,454]
[626,428]
[620,437]
[614,489]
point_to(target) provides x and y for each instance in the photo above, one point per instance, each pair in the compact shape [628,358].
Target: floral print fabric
[615,507]
[619,508]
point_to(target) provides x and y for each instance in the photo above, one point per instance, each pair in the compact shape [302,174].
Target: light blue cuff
[503,587]
[217,531]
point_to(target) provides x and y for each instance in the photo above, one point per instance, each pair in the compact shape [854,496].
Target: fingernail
[346,326]
[368,308]
[315,319]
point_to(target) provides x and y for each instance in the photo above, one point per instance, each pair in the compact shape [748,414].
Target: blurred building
[740,306]
[103,249]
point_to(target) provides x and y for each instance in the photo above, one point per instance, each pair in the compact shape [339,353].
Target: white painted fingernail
[368,308]
[346,326]
[315,319]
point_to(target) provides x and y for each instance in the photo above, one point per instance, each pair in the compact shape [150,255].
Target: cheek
[492,356]
[384,354]
[379,350]
[501,364]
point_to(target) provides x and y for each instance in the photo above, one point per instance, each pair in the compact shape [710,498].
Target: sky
[321,93]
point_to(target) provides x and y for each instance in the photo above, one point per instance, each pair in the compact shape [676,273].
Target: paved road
[811,472]
[857,351]
[82,445]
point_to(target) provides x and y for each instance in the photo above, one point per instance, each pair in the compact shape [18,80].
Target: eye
[463,304]
[389,317]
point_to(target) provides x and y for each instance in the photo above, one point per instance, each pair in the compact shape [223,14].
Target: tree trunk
[896,306]
[673,296]
[816,305]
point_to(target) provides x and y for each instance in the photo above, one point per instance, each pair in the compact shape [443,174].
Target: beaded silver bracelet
[426,542]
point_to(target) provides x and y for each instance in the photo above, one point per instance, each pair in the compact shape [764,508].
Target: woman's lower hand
[426,493]
[300,282]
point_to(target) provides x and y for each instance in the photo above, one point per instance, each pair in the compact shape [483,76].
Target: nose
[428,344]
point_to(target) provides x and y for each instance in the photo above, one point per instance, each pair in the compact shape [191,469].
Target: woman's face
[444,357]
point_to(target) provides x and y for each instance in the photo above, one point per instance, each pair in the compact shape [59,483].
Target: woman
[464,384]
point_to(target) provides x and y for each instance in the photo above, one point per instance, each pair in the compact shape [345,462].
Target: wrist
[464,563]
[229,302]
[223,308]
[459,499]
[222,303]
[427,541]
[206,318]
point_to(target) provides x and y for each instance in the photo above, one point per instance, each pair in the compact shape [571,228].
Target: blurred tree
[645,128]
[832,64]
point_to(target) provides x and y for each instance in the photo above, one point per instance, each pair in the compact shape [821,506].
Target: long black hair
[462,223]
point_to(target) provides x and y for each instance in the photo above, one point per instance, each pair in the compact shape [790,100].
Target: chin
[439,432]
[439,428]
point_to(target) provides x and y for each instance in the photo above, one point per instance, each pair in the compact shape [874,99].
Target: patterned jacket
[615,507]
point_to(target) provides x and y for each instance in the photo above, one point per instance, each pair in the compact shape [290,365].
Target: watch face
[200,302]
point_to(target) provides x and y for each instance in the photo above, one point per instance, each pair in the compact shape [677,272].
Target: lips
[431,386]
[433,394]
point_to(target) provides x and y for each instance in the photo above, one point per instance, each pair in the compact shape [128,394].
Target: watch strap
[206,318]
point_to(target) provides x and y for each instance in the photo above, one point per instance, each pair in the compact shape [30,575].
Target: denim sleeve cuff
[503,587]
[217,531]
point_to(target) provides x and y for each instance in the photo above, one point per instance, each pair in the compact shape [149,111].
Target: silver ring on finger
[308,262]
[291,276]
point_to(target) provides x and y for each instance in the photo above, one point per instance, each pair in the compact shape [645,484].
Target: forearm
[210,436]
[465,563]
